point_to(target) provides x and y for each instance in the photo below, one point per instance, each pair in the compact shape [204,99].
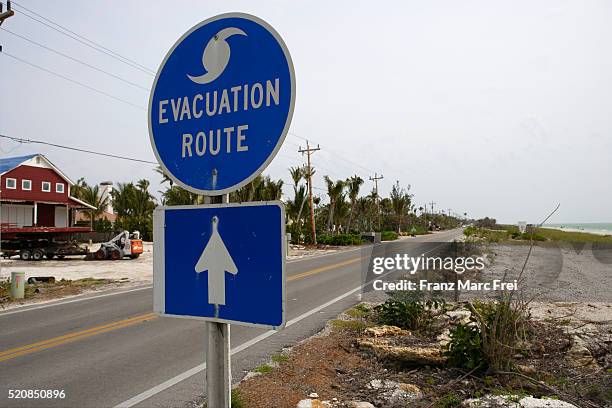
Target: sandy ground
[130,270]
[556,274]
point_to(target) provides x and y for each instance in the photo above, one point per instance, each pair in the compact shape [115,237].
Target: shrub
[486,234]
[388,236]
[418,230]
[409,313]
[470,231]
[536,237]
[339,240]
[465,348]
[493,341]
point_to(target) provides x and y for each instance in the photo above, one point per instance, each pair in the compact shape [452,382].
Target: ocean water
[602,228]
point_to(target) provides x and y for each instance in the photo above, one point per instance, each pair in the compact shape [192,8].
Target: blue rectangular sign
[223,263]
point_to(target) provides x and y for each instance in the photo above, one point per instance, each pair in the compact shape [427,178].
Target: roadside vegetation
[51,290]
[342,212]
[423,352]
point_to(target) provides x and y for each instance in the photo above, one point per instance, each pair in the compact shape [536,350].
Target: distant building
[35,194]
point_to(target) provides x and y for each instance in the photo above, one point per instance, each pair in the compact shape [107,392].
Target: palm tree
[261,188]
[401,202]
[176,195]
[134,206]
[353,185]
[91,195]
[77,189]
[273,190]
[334,190]
[165,178]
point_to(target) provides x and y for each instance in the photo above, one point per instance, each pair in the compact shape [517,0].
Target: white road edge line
[27,308]
[197,369]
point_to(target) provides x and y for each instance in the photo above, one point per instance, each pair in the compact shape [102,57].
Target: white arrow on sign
[217,260]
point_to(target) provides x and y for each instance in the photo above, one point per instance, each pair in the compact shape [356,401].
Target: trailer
[37,243]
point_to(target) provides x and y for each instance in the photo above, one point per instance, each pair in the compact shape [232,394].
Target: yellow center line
[70,337]
[83,334]
[323,269]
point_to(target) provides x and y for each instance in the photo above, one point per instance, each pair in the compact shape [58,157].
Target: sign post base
[218,366]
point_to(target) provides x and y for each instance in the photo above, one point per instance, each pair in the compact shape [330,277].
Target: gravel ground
[556,274]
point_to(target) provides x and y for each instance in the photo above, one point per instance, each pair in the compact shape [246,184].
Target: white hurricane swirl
[216,55]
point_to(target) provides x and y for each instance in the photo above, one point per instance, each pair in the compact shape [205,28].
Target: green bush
[486,234]
[493,337]
[339,240]
[418,230]
[465,348]
[470,231]
[536,237]
[413,314]
[388,236]
[526,236]
[102,225]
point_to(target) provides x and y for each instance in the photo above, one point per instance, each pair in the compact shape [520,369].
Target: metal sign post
[218,361]
[218,365]
[219,110]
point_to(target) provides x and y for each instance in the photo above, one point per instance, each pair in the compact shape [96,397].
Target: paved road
[108,349]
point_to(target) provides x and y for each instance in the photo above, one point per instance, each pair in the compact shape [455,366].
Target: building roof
[9,163]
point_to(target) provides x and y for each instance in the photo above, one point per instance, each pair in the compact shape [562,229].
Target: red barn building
[35,196]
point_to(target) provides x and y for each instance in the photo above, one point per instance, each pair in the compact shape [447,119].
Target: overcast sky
[492,108]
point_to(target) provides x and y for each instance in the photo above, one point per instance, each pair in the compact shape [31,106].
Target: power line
[83,40]
[91,88]
[368,171]
[75,59]
[42,142]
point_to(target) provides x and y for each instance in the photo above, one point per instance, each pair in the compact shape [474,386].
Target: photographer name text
[425,285]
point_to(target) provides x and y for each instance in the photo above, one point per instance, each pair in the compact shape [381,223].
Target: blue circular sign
[221,103]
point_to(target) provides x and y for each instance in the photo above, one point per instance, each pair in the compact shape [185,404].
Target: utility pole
[6,14]
[3,16]
[432,206]
[375,180]
[308,152]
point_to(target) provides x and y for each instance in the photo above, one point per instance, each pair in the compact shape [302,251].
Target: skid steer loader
[124,244]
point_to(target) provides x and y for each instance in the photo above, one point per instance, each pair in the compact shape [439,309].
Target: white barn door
[61,217]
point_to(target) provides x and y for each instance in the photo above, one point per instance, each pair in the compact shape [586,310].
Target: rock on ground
[509,401]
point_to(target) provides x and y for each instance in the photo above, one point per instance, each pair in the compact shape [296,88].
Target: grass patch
[56,289]
[339,239]
[360,311]
[357,325]
[280,358]
[450,400]
[263,369]
[237,399]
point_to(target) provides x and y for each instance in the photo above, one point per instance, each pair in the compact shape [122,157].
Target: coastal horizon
[599,228]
